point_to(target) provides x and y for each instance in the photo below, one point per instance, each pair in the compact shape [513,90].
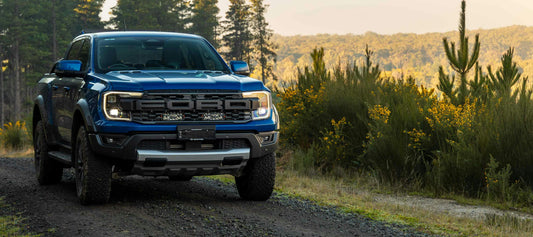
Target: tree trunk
[17,90]
[261,62]
[2,91]
[54,32]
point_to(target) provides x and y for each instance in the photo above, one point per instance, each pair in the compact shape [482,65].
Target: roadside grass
[26,151]
[355,195]
[11,225]
[362,194]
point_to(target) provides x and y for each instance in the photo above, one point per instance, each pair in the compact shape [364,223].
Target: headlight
[113,104]
[265,104]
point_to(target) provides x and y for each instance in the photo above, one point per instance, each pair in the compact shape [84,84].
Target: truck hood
[171,80]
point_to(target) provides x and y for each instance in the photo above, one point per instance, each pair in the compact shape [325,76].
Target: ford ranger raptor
[152,104]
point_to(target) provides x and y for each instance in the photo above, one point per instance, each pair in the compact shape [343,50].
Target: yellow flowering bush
[14,136]
[301,112]
[379,113]
[333,145]
[416,138]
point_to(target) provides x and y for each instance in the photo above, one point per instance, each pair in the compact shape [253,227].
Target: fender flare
[46,116]
[39,102]
[83,107]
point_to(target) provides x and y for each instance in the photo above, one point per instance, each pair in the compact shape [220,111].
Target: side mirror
[68,68]
[240,67]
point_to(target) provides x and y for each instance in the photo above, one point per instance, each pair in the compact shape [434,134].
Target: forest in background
[35,33]
[416,55]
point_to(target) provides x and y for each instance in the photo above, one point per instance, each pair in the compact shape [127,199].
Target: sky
[309,17]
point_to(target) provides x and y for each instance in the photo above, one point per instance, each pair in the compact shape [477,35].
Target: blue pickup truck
[152,104]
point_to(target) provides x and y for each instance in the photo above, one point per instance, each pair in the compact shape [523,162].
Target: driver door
[66,90]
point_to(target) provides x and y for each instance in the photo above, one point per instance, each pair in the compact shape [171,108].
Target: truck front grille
[190,107]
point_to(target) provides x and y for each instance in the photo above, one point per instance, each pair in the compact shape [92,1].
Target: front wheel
[93,175]
[257,182]
[48,171]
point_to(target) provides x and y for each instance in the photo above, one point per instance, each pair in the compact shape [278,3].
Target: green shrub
[14,136]
[333,147]
[352,118]
[396,147]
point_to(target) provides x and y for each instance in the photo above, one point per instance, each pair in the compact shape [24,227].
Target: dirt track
[160,207]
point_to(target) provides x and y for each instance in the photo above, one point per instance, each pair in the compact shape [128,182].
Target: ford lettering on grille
[190,107]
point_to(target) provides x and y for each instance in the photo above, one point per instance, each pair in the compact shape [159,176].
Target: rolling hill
[418,55]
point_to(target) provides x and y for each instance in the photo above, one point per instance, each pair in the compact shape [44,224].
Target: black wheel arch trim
[45,115]
[39,104]
[83,108]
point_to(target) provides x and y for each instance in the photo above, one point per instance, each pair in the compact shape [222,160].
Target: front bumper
[159,163]
[164,160]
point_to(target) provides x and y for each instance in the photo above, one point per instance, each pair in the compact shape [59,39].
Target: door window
[80,50]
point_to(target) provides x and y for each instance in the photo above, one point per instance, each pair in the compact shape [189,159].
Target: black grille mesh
[157,107]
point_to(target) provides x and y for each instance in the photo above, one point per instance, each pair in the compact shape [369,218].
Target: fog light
[113,140]
[113,112]
[264,139]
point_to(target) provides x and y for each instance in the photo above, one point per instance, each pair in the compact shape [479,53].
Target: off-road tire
[180,177]
[257,181]
[93,175]
[47,170]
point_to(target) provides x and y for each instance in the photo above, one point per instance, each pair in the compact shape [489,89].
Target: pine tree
[161,15]
[237,36]
[507,75]
[204,20]
[460,61]
[87,12]
[25,42]
[63,25]
[182,14]
[262,40]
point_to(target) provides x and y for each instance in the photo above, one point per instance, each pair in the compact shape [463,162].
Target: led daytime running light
[111,107]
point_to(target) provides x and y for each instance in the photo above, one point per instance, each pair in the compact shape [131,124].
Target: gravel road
[159,207]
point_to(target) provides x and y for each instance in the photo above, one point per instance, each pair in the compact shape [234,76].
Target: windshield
[156,53]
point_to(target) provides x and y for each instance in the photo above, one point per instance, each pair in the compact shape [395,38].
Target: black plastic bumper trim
[128,149]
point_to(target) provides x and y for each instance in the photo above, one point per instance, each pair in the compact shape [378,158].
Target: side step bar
[62,157]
